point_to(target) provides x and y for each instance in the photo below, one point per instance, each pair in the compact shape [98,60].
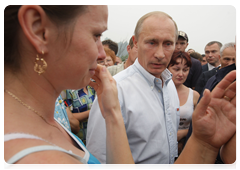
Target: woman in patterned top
[80,102]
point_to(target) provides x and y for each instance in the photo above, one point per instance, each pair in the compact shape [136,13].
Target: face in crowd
[179,66]
[204,60]
[156,43]
[212,54]
[132,53]
[181,44]
[228,57]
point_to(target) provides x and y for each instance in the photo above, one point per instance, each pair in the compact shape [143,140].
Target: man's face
[228,57]
[118,60]
[181,44]
[156,43]
[204,60]
[132,53]
[212,54]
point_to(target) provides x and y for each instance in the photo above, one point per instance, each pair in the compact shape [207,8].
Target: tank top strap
[190,96]
[34,149]
[27,151]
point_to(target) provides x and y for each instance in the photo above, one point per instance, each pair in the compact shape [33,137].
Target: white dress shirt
[210,66]
[151,117]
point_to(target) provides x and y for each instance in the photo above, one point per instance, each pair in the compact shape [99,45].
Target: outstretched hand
[106,89]
[214,119]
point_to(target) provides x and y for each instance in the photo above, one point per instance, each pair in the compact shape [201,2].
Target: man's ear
[33,22]
[134,41]
[128,48]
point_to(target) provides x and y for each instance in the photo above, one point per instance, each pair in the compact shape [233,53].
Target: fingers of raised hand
[230,93]
[226,82]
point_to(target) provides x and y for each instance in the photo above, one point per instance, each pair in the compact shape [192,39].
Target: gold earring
[38,68]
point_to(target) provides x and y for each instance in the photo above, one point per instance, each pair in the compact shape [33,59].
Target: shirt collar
[210,67]
[166,74]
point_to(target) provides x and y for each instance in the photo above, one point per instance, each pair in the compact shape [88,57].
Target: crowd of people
[164,104]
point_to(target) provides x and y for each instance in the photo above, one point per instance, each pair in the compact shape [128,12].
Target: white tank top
[186,111]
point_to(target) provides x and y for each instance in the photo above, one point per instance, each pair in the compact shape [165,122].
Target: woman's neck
[179,86]
[33,91]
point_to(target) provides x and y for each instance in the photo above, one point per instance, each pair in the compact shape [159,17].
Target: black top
[194,72]
[202,80]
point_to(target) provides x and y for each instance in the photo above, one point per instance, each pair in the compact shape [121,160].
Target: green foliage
[124,58]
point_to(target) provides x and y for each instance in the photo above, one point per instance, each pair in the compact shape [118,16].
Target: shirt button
[159,91]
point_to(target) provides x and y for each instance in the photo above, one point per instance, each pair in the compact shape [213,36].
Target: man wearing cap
[196,69]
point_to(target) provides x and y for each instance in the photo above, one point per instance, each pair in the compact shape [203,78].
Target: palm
[215,124]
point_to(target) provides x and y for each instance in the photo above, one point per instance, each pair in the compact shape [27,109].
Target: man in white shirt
[148,98]
[212,53]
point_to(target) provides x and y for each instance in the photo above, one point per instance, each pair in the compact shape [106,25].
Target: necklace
[29,107]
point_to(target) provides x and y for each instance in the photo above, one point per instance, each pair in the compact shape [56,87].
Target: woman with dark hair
[42,45]
[179,66]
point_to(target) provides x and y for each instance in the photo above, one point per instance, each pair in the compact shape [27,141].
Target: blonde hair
[154,13]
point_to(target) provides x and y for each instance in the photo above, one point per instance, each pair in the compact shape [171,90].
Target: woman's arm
[228,151]
[118,150]
[181,134]
[81,116]
[195,98]
[74,123]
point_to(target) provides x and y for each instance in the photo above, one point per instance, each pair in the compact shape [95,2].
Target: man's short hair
[231,44]
[196,55]
[213,42]
[154,13]
[130,43]
[111,44]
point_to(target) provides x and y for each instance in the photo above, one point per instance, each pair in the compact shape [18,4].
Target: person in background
[196,55]
[179,66]
[189,51]
[111,45]
[110,58]
[212,53]
[227,57]
[150,110]
[196,69]
[132,55]
[204,60]
[79,103]
[65,116]
[118,60]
